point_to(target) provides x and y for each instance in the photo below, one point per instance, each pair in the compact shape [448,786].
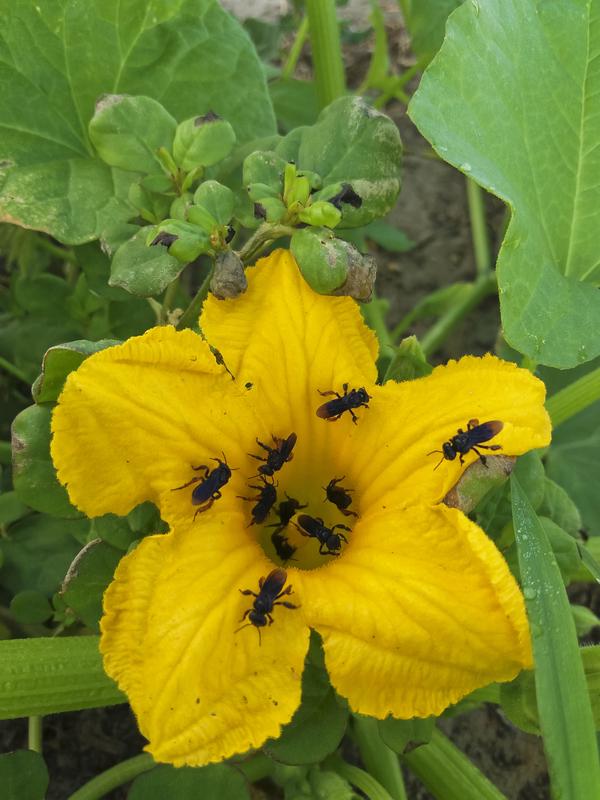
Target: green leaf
[217,199]
[191,55]
[115,531]
[34,476]
[584,619]
[30,606]
[214,782]
[318,725]
[41,293]
[558,506]
[565,714]
[127,132]
[23,775]
[142,270]
[11,508]
[426,23]
[59,361]
[87,578]
[507,121]
[403,735]
[352,143]
[388,236]
[202,141]
[295,102]
[49,676]
[37,552]
[565,549]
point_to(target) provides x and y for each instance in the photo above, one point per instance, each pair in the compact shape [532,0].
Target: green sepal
[127,131]
[217,199]
[322,259]
[321,214]
[142,270]
[409,361]
[87,579]
[23,775]
[59,361]
[202,141]
[264,168]
[403,735]
[34,476]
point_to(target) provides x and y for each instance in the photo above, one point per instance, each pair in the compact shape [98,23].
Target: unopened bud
[228,280]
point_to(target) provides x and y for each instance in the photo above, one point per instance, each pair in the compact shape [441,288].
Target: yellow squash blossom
[416,609]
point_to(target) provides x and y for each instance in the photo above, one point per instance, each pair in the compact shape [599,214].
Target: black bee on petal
[210,484]
[471,439]
[269,595]
[333,409]
[339,496]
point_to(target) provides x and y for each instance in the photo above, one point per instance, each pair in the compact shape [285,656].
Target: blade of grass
[48,676]
[565,712]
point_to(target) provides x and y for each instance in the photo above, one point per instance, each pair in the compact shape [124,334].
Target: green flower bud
[270,209]
[265,168]
[184,240]
[218,200]
[297,192]
[159,183]
[322,259]
[321,214]
[202,141]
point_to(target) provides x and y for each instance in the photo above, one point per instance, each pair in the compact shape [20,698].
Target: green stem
[357,777]
[190,316]
[169,299]
[381,762]
[447,773]
[115,776]
[479,233]
[12,370]
[34,733]
[264,236]
[483,286]
[375,312]
[55,250]
[330,78]
[295,50]
[574,398]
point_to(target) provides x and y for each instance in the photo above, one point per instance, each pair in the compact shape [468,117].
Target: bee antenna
[241,628]
[440,461]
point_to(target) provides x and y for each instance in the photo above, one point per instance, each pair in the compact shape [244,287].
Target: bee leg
[189,483]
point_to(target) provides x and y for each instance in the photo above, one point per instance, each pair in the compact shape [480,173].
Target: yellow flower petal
[201,692]
[289,343]
[133,420]
[418,611]
[389,448]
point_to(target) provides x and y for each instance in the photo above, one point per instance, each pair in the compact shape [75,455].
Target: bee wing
[485,431]
[275,581]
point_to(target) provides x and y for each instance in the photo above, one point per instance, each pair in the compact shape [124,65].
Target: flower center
[303,512]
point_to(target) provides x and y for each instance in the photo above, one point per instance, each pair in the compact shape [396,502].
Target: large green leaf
[216,781]
[60,56]
[426,23]
[512,99]
[23,775]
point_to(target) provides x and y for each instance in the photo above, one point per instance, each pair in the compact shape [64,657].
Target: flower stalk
[380,761]
[326,50]
[116,776]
